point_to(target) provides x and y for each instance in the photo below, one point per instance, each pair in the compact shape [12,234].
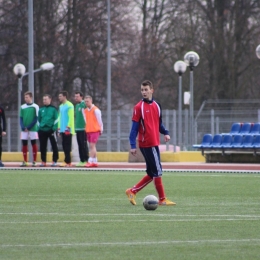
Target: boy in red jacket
[147,123]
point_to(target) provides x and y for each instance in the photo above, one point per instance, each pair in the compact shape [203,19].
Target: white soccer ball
[150,202]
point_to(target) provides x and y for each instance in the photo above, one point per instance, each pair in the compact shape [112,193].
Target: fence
[209,121]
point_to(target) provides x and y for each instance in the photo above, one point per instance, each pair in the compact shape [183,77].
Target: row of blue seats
[245,128]
[229,141]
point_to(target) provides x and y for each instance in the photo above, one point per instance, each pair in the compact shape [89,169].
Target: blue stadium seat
[255,130]
[216,142]
[248,141]
[245,128]
[227,141]
[235,128]
[256,142]
[206,142]
[237,141]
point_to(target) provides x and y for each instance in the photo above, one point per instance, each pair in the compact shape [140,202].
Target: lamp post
[192,59]
[180,67]
[19,70]
[30,48]
[108,77]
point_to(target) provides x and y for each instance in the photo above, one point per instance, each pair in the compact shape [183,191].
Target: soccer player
[94,128]
[147,124]
[66,126]
[80,125]
[2,131]
[28,122]
[48,124]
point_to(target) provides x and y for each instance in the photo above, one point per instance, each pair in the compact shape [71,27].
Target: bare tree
[228,46]
[148,37]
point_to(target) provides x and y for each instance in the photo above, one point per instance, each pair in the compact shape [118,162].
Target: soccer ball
[150,202]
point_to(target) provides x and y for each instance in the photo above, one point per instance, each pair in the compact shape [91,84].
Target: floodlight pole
[108,79]
[192,60]
[180,111]
[180,68]
[191,104]
[20,87]
[30,47]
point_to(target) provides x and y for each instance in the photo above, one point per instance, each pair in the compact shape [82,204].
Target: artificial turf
[86,215]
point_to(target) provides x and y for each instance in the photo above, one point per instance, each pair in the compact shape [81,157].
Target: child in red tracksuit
[147,124]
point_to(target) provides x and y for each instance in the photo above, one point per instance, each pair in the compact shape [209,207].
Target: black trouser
[0,143]
[83,146]
[153,161]
[43,137]
[66,145]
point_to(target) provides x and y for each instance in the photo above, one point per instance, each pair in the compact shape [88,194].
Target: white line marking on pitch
[126,215]
[136,243]
[136,220]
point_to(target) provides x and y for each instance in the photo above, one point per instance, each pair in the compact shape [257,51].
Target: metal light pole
[180,67]
[192,59]
[30,47]
[19,70]
[108,79]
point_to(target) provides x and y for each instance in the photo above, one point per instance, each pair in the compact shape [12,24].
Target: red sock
[25,150]
[34,148]
[142,183]
[159,187]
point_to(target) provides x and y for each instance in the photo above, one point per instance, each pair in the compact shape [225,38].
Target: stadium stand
[241,144]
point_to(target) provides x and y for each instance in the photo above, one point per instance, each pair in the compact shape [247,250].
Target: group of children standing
[42,123]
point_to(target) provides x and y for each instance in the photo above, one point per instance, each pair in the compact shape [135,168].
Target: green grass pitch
[86,215]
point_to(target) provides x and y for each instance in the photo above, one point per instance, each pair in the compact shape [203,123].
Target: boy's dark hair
[64,93]
[79,92]
[147,83]
[28,93]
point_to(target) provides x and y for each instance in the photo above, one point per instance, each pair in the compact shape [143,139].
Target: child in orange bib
[94,128]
